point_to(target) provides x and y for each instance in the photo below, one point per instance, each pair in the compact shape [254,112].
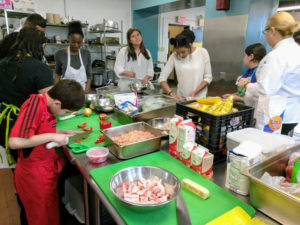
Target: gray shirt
[61,60]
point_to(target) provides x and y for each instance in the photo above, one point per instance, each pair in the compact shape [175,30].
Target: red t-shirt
[29,117]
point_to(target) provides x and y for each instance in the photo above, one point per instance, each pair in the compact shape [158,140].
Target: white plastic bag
[270,112]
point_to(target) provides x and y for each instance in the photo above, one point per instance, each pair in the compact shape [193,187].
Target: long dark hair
[258,51]
[131,52]
[75,28]
[29,42]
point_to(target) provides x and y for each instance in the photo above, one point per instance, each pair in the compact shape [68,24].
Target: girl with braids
[192,66]
[134,61]
[22,73]
[74,62]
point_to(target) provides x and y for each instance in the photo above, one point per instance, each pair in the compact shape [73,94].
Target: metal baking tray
[168,110]
[134,149]
[274,202]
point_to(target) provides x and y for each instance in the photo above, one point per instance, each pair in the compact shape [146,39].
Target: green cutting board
[92,121]
[201,211]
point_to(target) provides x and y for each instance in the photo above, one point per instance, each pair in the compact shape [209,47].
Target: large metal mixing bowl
[89,98]
[130,174]
[138,87]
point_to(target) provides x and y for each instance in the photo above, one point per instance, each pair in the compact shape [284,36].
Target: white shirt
[141,66]
[279,74]
[190,71]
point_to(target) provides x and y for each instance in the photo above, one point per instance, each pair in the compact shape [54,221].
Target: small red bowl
[97,154]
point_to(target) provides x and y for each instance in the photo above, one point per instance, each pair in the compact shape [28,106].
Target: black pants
[286,128]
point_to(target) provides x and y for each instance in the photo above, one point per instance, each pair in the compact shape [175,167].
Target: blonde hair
[283,22]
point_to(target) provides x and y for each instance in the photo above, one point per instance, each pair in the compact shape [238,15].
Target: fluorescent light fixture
[289,8]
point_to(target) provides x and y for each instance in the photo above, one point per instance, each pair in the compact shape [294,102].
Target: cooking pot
[98,79]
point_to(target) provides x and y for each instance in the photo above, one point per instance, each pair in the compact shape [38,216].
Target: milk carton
[202,160]
[186,153]
[174,122]
[186,133]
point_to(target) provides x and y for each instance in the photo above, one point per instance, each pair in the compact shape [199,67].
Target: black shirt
[17,85]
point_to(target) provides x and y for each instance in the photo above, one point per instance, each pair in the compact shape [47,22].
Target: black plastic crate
[212,130]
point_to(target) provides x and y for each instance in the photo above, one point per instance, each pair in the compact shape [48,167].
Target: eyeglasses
[264,31]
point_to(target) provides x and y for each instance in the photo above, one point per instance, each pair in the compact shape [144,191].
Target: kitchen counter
[81,162]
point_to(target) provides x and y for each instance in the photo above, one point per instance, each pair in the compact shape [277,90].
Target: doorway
[173,31]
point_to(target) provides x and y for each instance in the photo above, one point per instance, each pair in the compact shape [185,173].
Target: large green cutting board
[92,121]
[201,211]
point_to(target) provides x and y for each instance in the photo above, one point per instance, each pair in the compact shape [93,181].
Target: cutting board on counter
[201,211]
[92,121]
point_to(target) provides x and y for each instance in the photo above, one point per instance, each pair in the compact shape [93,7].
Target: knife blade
[70,140]
[183,216]
[71,115]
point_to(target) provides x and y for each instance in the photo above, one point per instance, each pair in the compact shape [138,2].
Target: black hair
[75,28]
[296,36]
[70,93]
[29,42]
[36,20]
[184,39]
[131,52]
[6,43]
[258,51]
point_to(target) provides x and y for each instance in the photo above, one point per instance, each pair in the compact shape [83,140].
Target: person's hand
[87,91]
[243,82]
[131,74]
[60,139]
[145,80]
[226,95]
[235,98]
[192,94]
[177,96]
[69,132]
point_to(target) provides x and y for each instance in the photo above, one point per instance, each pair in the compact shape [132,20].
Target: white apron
[76,74]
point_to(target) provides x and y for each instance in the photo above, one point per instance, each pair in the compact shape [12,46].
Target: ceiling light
[289,8]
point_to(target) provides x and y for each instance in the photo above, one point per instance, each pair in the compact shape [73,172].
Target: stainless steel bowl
[90,97]
[103,104]
[137,87]
[170,181]
[159,122]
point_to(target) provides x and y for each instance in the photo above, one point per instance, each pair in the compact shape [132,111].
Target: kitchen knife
[70,140]
[71,115]
[183,216]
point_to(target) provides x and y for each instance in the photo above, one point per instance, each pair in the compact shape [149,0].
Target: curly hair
[29,42]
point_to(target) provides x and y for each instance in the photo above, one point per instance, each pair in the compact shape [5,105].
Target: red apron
[36,178]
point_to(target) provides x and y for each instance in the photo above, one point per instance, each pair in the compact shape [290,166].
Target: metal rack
[15,14]
[104,47]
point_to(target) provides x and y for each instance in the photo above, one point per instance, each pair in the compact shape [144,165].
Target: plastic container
[97,154]
[212,130]
[269,142]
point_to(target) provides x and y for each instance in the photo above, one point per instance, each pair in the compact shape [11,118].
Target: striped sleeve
[29,118]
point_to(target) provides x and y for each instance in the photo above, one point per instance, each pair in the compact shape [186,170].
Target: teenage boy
[38,168]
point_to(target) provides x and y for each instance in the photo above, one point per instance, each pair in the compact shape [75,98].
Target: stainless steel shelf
[16,14]
[105,31]
[64,25]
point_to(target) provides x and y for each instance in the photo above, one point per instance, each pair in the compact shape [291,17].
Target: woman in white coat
[279,71]
[74,62]
[192,66]
[134,62]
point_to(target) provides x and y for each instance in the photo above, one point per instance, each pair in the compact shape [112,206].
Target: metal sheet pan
[134,149]
[272,201]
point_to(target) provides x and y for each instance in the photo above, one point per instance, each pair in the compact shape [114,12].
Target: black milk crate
[212,130]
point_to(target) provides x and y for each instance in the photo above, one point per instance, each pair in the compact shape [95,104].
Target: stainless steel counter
[81,162]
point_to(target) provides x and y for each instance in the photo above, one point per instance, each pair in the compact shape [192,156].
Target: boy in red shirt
[37,169]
